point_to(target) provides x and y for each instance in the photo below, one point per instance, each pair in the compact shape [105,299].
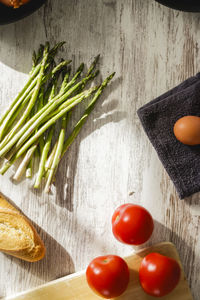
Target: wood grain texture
[75,286]
[151,48]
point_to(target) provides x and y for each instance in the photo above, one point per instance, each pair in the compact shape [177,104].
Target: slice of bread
[17,236]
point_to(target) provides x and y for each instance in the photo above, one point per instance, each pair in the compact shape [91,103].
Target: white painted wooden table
[152,48]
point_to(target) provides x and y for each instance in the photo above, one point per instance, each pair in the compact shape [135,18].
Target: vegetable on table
[159,274]
[108,276]
[27,128]
[132,224]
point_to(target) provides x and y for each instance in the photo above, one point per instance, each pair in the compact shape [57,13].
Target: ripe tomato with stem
[108,276]
[132,224]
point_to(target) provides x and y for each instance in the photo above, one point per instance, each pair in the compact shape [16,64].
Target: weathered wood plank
[152,48]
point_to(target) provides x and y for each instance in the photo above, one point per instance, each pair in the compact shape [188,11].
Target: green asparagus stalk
[35,70]
[29,169]
[43,159]
[50,93]
[62,148]
[65,81]
[17,107]
[25,162]
[59,149]
[89,109]
[36,57]
[22,168]
[40,105]
[22,134]
[76,100]
[47,144]
[90,70]
[34,96]
[93,65]
[39,117]
[18,99]
[39,81]
[9,134]
[48,124]
[50,158]
[45,163]
[65,104]
[67,87]
[46,117]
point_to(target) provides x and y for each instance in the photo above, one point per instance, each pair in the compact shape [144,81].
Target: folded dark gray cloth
[158,117]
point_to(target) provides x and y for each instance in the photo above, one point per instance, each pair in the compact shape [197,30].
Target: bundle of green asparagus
[27,128]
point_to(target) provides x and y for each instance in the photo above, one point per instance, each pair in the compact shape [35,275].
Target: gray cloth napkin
[158,117]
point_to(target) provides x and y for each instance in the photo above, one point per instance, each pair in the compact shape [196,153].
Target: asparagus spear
[90,70]
[59,149]
[74,101]
[21,93]
[65,83]
[9,134]
[39,117]
[24,163]
[33,81]
[29,168]
[65,104]
[47,144]
[34,96]
[17,106]
[29,155]
[23,138]
[36,57]
[50,158]
[35,69]
[43,159]
[63,147]
[89,109]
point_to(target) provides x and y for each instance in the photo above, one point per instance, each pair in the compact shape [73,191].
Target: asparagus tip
[96,73]
[96,59]
[81,67]
[110,77]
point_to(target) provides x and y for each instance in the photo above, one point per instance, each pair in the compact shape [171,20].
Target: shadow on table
[24,36]
[104,113]
[185,248]
[56,263]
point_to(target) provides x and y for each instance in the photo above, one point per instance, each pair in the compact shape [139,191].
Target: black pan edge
[183,5]
[10,15]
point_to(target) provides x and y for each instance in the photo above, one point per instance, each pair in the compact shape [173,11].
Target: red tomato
[108,276]
[132,224]
[159,274]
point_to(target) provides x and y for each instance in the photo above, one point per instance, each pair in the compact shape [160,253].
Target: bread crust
[18,237]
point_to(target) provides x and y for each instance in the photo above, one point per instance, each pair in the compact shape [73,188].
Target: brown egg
[187,130]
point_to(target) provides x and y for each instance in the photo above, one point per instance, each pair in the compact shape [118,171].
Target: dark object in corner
[185,5]
[10,15]
[158,118]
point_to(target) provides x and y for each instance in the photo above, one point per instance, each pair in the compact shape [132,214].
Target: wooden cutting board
[74,287]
